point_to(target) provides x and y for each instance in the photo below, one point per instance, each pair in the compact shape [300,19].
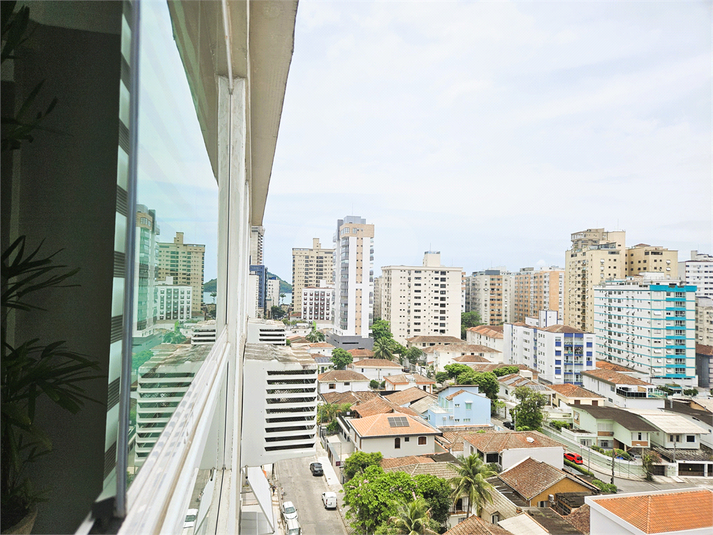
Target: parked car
[288,511]
[508,425]
[574,457]
[293,527]
[316,469]
[191,516]
[329,499]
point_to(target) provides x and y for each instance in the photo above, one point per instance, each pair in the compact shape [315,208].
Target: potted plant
[32,369]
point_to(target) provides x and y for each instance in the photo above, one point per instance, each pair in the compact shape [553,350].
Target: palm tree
[413,517]
[315,335]
[471,482]
[383,349]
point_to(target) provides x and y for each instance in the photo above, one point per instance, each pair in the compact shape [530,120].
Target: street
[305,491]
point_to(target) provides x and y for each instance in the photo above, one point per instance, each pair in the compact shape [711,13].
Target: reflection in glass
[176,240]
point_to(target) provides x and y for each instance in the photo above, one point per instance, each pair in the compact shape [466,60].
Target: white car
[329,499]
[288,511]
[191,516]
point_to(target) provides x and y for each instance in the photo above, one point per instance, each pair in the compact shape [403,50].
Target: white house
[342,381]
[486,335]
[375,369]
[507,448]
[320,348]
[393,435]
[672,430]
[407,380]
[440,356]
[623,390]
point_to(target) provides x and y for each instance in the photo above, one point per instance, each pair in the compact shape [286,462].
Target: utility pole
[613,456]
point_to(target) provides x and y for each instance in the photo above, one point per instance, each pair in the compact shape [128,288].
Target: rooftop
[704,350]
[408,396]
[383,425]
[461,348]
[562,329]
[434,340]
[340,376]
[662,512]
[606,365]
[669,422]
[579,518]
[379,405]
[498,441]
[629,420]
[573,391]
[375,363]
[349,397]
[474,525]
[491,331]
[614,378]
[531,477]
[406,378]
[470,358]
[361,353]
[553,522]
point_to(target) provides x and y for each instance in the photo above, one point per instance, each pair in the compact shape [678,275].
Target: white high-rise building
[174,302]
[648,323]
[559,353]
[699,272]
[318,302]
[353,278]
[257,234]
[422,300]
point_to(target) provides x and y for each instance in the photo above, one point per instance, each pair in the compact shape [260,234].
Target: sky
[491,131]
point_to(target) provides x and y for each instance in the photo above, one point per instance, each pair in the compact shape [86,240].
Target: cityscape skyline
[469,128]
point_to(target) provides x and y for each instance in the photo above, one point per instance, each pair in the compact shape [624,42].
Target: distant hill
[285,287]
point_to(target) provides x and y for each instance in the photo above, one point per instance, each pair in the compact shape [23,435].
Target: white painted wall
[553,456]
[385,445]
[351,386]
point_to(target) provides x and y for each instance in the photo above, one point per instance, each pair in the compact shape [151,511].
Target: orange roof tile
[573,391]
[702,349]
[491,331]
[531,477]
[474,525]
[606,365]
[614,378]
[562,329]
[408,396]
[579,518]
[364,353]
[498,441]
[442,339]
[378,426]
[667,511]
[340,376]
[470,358]
[394,462]
[375,363]
[349,397]
[403,379]
[380,405]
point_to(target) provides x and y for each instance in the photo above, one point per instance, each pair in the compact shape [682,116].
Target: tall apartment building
[559,353]
[273,292]
[704,321]
[534,291]
[644,258]
[257,234]
[699,272]
[378,292]
[261,272]
[173,302]
[184,262]
[489,292]
[354,278]
[594,257]
[422,300]
[146,267]
[318,302]
[309,266]
[648,323]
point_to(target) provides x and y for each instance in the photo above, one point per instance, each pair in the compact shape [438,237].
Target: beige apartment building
[644,258]
[256,245]
[378,291]
[704,321]
[309,267]
[422,300]
[185,263]
[534,291]
[594,257]
[489,292]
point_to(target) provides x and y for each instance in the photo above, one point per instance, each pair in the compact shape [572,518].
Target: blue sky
[492,131]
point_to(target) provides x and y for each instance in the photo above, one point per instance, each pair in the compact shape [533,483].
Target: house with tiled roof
[579,518]
[408,396]
[611,427]
[342,381]
[507,448]
[407,380]
[540,521]
[623,390]
[486,335]
[320,348]
[474,525]
[668,512]
[394,435]
[440,356]
[459,405]
[570,394]
[510,383]
[358,354]
[375,369]
[379,405]
[423,342]
[353,398]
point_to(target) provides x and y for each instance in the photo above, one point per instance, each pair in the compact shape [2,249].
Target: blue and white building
[559,353]
[459,405]
[648,323]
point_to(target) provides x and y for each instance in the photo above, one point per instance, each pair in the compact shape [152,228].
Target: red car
[574,457]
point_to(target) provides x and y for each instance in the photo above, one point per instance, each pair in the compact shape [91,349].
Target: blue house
[459,405]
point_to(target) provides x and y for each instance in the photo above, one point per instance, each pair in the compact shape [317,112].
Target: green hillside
[285,287]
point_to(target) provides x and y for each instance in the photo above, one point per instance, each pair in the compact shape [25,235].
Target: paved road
[305,491]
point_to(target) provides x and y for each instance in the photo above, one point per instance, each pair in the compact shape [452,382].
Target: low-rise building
[665,512]
[672,430]
[407,380]
[510,383]
[376,369]
[623,390]
[440,356]
[392,436]
[507,448]
[342,381]
[379,405]
[569,394]
[407,397]
[459,405]
[486,335]
[693,412]
[612,427]
[423,342]
[360,353]
[320,348]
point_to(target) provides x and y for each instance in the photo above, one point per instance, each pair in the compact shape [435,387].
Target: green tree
[437,493]
[381,329]
[441,377]
[471,482]
[277,312]
[693,392]
[413,518]
[648,460]
[505,370]
[329,411]
[468,320]
[528,413]
[315,335]
[454,370]
[486,382]
[414,355]
[374,384]
[398,349]
[359,461]
[373,497]
[383,349]
[341,358]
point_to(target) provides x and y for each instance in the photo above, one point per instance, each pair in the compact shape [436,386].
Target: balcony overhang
[257,46]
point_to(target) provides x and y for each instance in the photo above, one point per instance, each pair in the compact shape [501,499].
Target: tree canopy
[277,312]
[341,358]
[315,335]
[528,413]
[360,461]
[487,382]
[467,320]
[381,329]
[383,349]
[505,370]
[454,370]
